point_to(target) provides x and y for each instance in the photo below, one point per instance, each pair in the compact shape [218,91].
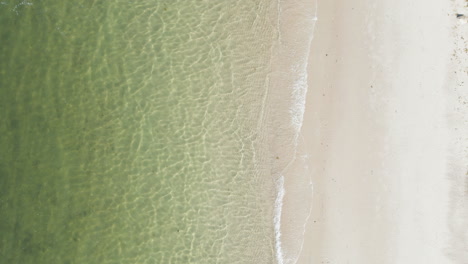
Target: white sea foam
[300,87]
[299,93]
[277,219]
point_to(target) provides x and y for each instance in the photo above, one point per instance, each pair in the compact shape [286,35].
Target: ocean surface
[134,132]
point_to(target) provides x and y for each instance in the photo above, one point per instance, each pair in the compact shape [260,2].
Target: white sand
[386,128]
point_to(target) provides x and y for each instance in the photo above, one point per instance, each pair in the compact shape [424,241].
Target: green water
[131,132]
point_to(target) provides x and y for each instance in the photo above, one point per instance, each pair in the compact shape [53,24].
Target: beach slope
[385,127]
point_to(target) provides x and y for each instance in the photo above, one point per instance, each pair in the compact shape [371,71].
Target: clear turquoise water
[131,132]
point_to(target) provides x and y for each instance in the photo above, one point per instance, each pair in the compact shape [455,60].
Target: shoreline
[382,129]
[295,23]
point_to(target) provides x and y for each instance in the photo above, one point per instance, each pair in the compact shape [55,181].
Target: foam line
[296,111]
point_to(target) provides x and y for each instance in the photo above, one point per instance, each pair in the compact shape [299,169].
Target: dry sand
[385,130]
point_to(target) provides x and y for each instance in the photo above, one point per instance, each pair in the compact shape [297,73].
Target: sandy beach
[385,133]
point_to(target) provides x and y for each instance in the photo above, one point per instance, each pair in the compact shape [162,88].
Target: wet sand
[385,131]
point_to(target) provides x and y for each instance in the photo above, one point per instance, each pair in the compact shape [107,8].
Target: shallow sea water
[131,132]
